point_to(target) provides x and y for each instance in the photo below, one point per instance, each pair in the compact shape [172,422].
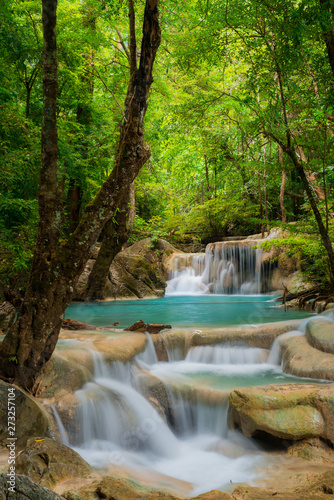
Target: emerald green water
[185,311]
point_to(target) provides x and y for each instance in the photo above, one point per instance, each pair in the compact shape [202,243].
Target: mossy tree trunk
[57,265]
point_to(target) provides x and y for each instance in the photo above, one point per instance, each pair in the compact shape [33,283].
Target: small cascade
[227,355]
[174,352]
[196,417]
[149,356]
[61,428]
[180,427]
[274,357]
[114,416]
[231,267]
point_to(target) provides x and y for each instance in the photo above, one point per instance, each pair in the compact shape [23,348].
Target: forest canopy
[240,89]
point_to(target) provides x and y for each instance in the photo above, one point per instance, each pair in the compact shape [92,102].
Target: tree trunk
[282,190]
[57,265]
[73,205]
[114,235]
[326,25]
[207,173]
[132,209]
[309,192]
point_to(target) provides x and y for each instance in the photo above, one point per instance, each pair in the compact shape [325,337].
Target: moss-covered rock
[314,450]
[290,411]
[25,489]
[303,360]
[30,419]
[48,462]
[320,334]
[137,272]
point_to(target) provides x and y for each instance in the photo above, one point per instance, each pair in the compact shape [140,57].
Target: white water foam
[230,268]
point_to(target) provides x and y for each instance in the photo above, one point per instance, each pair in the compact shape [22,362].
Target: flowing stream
[117,425]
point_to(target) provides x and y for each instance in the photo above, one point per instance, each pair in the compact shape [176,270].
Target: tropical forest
[166,249]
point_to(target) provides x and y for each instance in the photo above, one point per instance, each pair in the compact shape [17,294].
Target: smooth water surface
[185,311]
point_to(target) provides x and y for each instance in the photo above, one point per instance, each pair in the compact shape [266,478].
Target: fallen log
[141,326]
[71,324]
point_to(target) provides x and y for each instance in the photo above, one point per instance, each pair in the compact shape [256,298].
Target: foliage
[233,79]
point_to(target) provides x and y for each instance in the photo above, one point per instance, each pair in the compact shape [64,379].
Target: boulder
[7,316]
[303,360]
[116,488]
[30,419]
[48,462]
[25,489]
[64,373]
[309,487]
[291,411]
[320,334]
[138,271]
[314,450]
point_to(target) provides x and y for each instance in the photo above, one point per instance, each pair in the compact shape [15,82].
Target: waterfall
[227,354]
[225,268]
[180,431]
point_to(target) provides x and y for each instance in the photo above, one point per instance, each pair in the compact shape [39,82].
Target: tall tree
[57,265]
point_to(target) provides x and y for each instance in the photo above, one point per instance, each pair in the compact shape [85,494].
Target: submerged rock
[48,462]
[291,411]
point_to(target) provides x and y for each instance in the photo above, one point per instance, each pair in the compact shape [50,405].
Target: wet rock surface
[48,462]
[32,419]
[286,411]
[137,272]
[25,489]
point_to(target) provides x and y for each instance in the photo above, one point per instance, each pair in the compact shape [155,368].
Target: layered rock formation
[136,273]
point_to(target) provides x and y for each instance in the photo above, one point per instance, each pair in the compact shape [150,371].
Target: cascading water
[225,268]
[116,425]
[184,435]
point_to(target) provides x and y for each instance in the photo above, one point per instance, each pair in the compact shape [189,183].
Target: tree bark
[309,192]
[132,209]
[327,8]
[283,184]
[114,235]
[57,265]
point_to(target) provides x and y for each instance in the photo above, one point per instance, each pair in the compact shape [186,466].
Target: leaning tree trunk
[57,265]
[114,235]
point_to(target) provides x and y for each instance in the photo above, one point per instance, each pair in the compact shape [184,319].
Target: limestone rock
[64,373]
[25,489]
[290,411]
[115,488]
[137,272]
[320,334]
[48,462]
[30,418]
[313,449]
[303,360]
[311,487]
[7,316]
